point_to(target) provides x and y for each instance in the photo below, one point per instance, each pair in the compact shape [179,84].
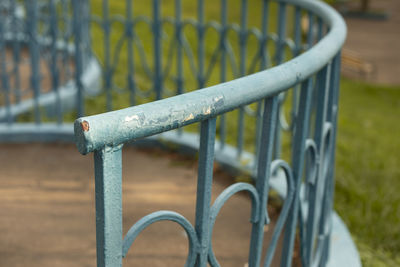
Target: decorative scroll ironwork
[157,216]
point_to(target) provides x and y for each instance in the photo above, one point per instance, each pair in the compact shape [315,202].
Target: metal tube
[129,28]
[223,36]
[108,189]
[243,55]
[279,58]
[204,188]
[157,43]
[263,174]
[200,43]
[300,137]
[5,85]
[34,53]
[107,71]
[54,58]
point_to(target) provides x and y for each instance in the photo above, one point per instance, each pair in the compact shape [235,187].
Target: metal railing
[46,59]
[277,60]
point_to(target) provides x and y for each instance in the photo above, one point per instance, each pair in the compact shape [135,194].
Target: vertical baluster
[157,25]
[264,30]
[243,53]
[204,187]
[298,154]
[5,86]
[66,36]
[16,51]
[331,116]
[107,72]
[320,28]
[263,65]
[316,191]
[129,28]
[296,92]
[34,52]
[243,37]
[297,31]
[297,51]
[200,43]
[280,48]
[77,24]
[263,174]
[323,79]
[311,36]
[86,38]
[223,36]
[179,48]
[108,190]
[54,58]
[310,33]
[279,57]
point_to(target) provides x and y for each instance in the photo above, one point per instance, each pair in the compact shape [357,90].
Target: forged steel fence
[46,59]
[267,78]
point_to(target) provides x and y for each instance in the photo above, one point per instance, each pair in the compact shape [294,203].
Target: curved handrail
[118,127]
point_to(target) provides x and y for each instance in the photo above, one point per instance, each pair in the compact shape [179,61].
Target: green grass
[367,169]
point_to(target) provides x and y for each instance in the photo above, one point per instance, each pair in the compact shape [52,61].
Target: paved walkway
[378,42]
[47,208]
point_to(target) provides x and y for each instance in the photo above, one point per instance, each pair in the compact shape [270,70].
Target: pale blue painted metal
[268,126]
[52,63]
[108,181]
[304,64]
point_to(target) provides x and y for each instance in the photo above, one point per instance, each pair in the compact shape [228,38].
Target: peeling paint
[190,117]
[218,98]
[131,118]
[207,111]
[218,101]
[85,126]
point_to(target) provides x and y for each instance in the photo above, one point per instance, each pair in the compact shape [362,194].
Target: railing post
[298,155]
[179,80]
[179,48]
[332,114]
[129,25]
[279,58]
[263,174]
[243,55]
[108,189]
[223,69]
[264,63]
[34,52]
[107,68]
[200,40]
[204,184]
[317,190]
[55,72]
[157,31]
[77,28]
[16,53]
[5,85]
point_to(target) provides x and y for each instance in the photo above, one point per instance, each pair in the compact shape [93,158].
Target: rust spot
[85,126]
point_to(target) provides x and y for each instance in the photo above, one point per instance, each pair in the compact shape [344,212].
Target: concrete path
[377,42]
[47,215]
